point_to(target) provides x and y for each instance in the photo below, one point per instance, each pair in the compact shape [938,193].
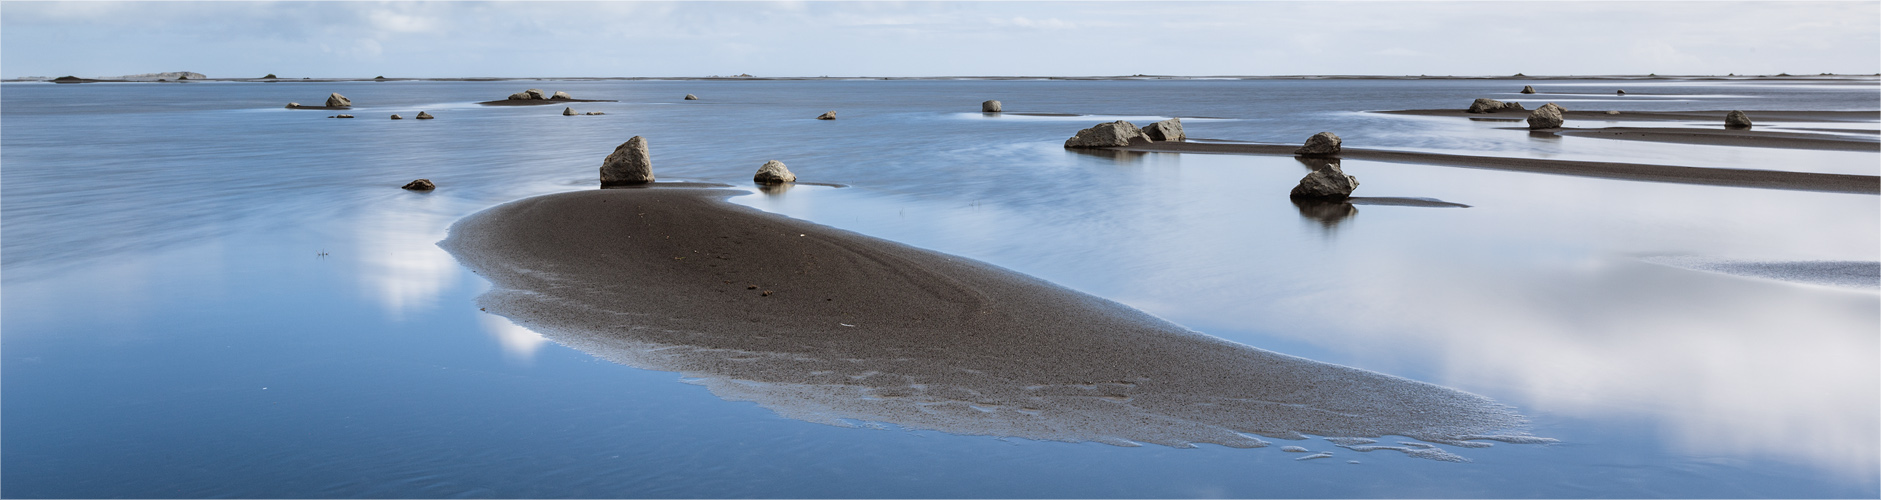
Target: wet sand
[829,326]
[330,108]
[1601,115]
[538,102]
[1767,179]
[1725,137]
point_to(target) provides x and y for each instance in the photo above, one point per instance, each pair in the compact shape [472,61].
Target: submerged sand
[830,326]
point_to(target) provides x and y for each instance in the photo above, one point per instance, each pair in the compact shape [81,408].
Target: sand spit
[828,326]
[1725,137]
[1681,116]
[1856,275]
[1767,179]
[538,102]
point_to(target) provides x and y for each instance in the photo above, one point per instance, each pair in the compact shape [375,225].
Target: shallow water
[171,329]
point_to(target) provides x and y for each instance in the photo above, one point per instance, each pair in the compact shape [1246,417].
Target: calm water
[170,329]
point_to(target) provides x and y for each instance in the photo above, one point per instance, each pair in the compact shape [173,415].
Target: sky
[437,39]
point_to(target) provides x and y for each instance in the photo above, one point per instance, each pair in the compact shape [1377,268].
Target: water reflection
[519,344]
[400,263]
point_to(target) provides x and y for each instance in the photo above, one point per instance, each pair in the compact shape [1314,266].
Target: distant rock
[1326,183]
[561,96]
[569,112]
[827,116]
[270,75]
[1103,135]
[342,116]
[420,185]
[594,113]
[380,77]
[989,107]
[1166,130]
[397,117]
[1620,92]
[338,101]
[1737,120]
[630,164]
[529,95]
[1320,144]
[1545,117]
[425,116]
[774,172]
[293,105]
[151,77]
[1487,105]
[1611,112]
[1528,89]
[691,97]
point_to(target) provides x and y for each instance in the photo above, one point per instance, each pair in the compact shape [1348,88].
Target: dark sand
[1767,179]
[538,102]
[338,108]
[1601,115]
[1725,137]
[1858,275]
[830,326]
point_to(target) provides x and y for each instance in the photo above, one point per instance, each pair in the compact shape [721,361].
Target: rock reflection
[1328,213]
[776,189]
[1118,156]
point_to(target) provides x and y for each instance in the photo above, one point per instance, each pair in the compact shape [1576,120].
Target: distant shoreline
[1758,78]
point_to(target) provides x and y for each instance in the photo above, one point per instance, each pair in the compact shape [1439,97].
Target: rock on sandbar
[338,101]
[1487,105]
[629,164]
[1737,120]
[1166,130]
[1326,182]
[1545,117]
[561,96]
[774,172]
[1104,135]
[1320,144]
[989,107]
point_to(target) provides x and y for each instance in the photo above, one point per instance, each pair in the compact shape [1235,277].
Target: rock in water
[343,116]
[1103,135]
[1621,92]
[773,172]
[1487,105]
[827,116]
[1528,89]
[594,113]
[1166,130]
[630,164]
[691,97]
[1545,117]
[397,117]
[338,101]
[1736,120]
[569,112]
[989,107]
[1326,183]
[424,116]
[421,185]
[1320,144]
[293,105]
[561,96]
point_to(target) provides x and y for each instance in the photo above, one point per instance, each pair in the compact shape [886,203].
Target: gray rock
[774,172]
[1611,112]
[691,97]
[1320,144]
[529,95]
[1166,130]
[342,116]
[569,112]
[827,116]
[293,105]
[420,185]
[1545,117]
[1528,89]
[397,117]
[989,107]
[1487,105]
[1103,135]
[630,164]
[338,101]
[1737,120]
[1328,182]
[425,116]
[561,96]
[1621,92]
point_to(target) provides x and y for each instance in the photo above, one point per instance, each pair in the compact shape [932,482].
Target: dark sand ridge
[1725,137]
[829,326]
[1716,116]
[1767,179]
[538,102]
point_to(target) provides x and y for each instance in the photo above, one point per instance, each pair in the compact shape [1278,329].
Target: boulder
[1166,130]
[989,107]
[827,116]
[774,172]
[569,112]
[529,95]
[380,77]
[293,105]
[1320,144]
[397,117]
[1621,92]
[691,97]
[1528,89]
[1487,105]
[342,116]
[561,96]
[338,101]
[1736,120]
[420,185]
[1326,183]
[1103,135]
[270,75]
[425,116]
[1545,117]
[630,164]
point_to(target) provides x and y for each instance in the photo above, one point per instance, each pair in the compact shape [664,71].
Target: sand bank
[1768,179]
[538,102]
[830,326]
[1708,116]
[1724,137]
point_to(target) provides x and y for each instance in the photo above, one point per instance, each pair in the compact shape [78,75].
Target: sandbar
[537,102]
[1727,137]
[1601,115]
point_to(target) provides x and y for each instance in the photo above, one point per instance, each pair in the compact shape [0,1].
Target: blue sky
[514,39]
